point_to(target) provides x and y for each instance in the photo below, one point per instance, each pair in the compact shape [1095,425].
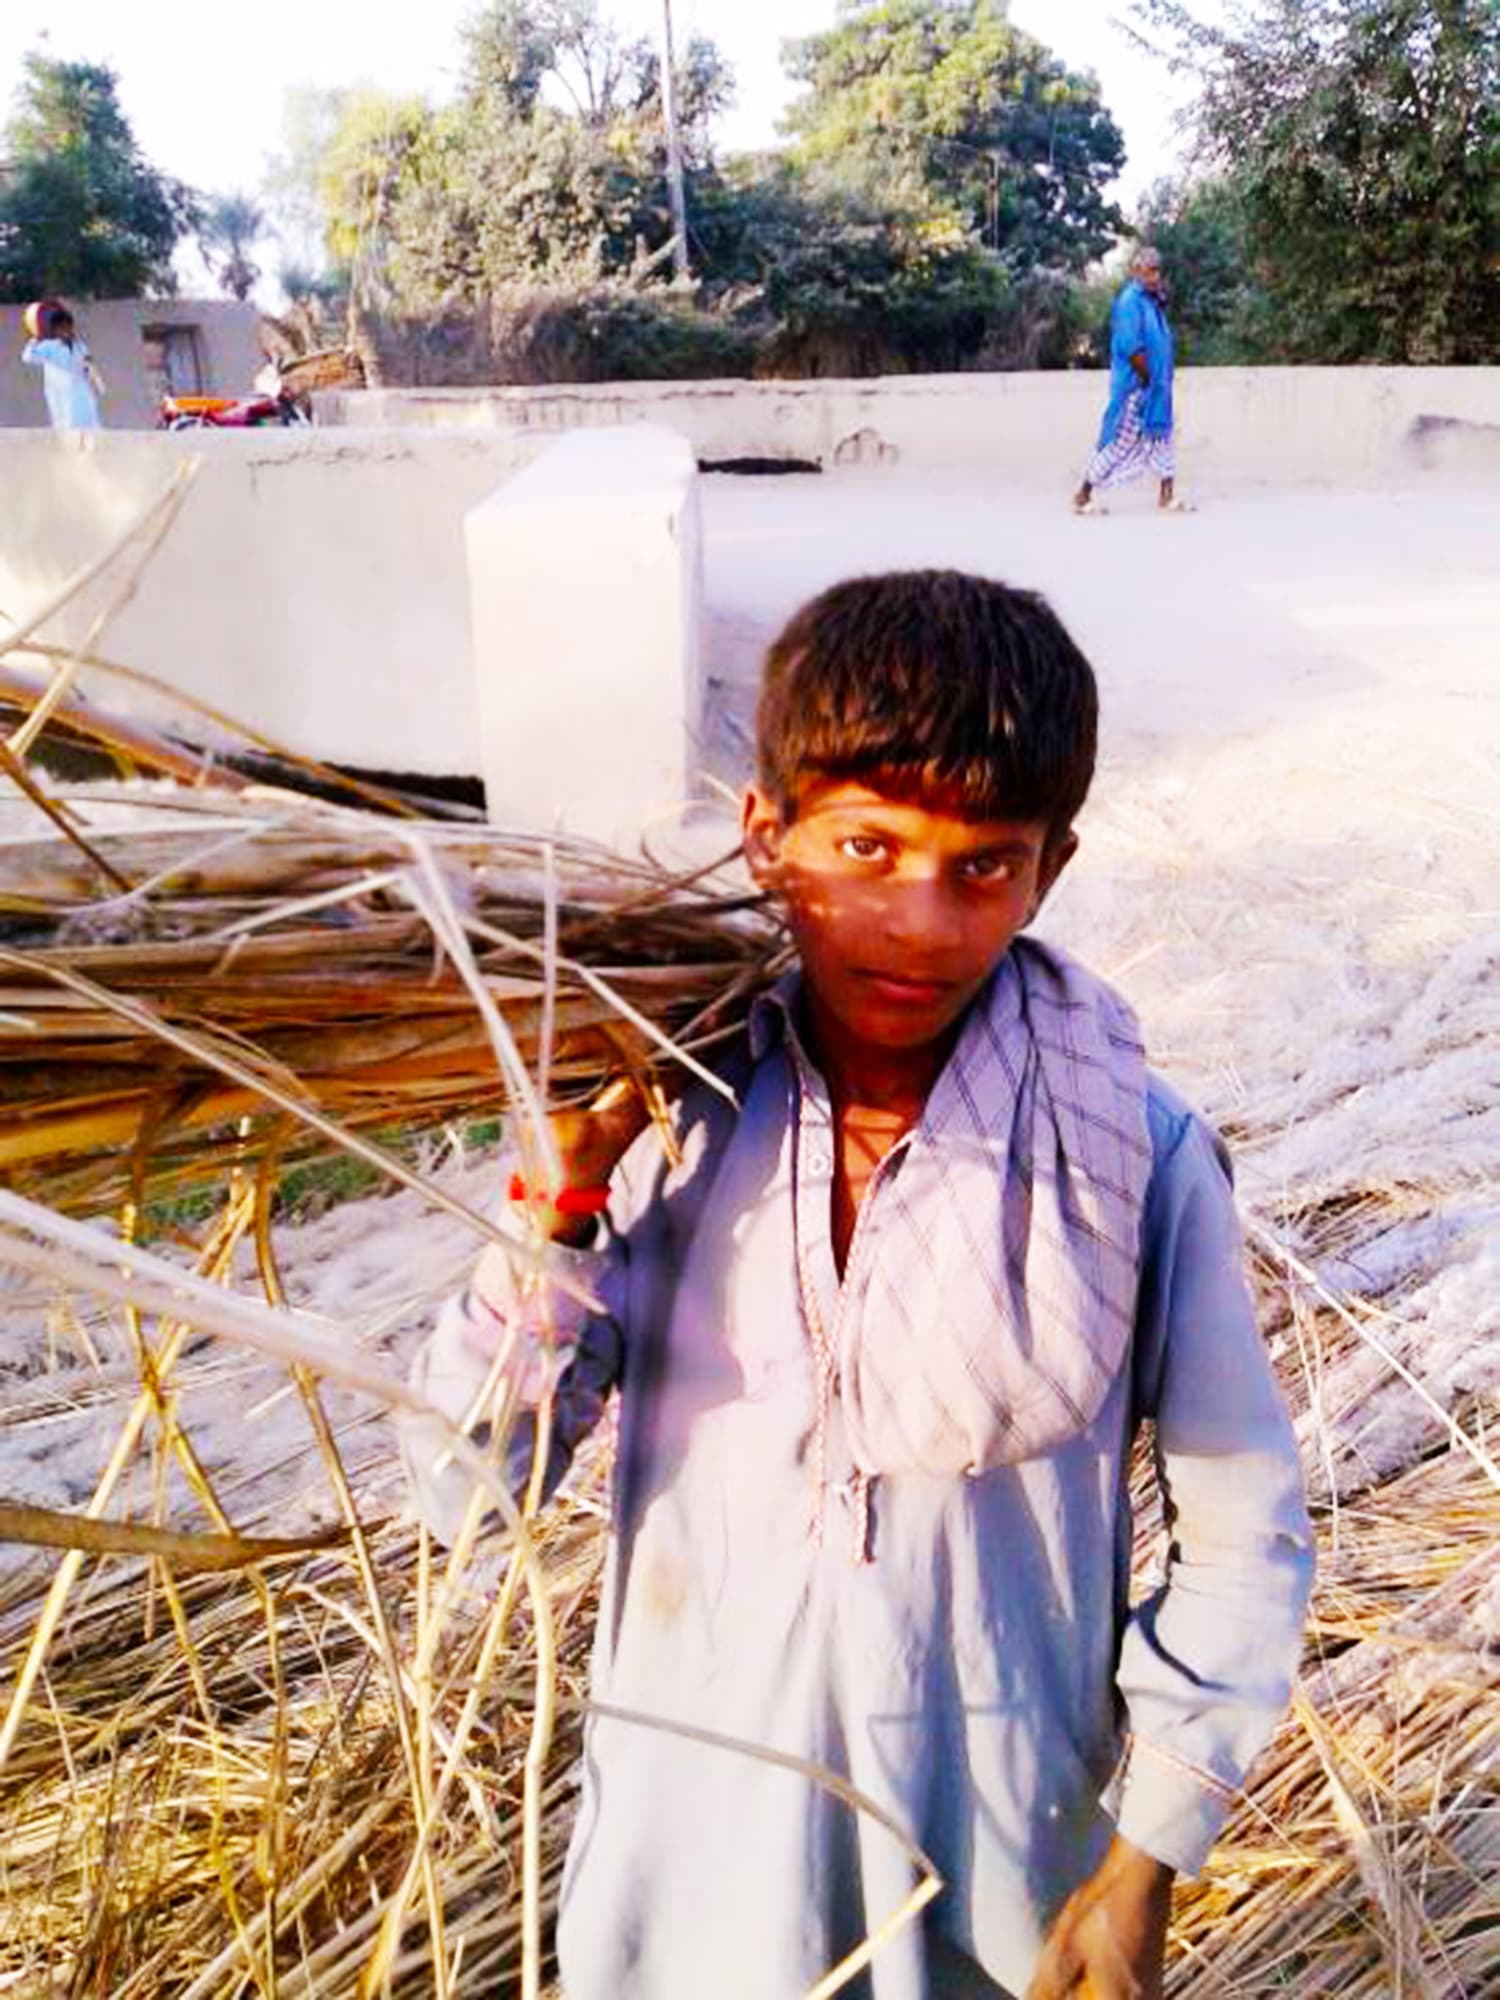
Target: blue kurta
[1138,325]
[982,1677]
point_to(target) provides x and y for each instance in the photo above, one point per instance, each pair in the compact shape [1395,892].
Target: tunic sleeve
[1208,1659]
[500,1345]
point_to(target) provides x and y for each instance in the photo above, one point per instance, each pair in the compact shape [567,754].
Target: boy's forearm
[535,1342]
[1206,1661]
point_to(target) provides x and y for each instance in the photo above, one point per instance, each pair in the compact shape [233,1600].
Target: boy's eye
[989,867]
[862,847]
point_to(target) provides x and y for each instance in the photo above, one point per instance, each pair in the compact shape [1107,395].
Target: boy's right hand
[590,1141]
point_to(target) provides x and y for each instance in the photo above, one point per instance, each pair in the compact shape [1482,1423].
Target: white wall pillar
[586,589]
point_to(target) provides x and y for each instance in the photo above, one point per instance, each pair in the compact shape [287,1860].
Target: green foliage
[1221,315]
[361,178]
[1359,140]
[594,64]
[82,212]
[1049,319]
[488,200]
[512,47]
[941,105]
[229,226]
[611,332]
[508,51]
[834,285]
[474,232]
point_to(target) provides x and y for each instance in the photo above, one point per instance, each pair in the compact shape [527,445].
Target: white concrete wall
[314,584]
[229,342]
[317,582]
[586,581]
[1034,430]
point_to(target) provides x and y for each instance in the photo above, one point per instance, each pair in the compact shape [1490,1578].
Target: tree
[508,52]
[432,211]
[1361,139]
[513,47]
[82,212]
[485,202]
[317,305]
[833,284]
[527,225]
[507,186]
[943,104]
[230,224]
[1221,314]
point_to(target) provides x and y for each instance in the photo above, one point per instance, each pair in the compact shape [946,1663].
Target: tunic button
[819,1163]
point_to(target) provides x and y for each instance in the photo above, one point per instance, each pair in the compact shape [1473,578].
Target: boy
[70,380]
[882,1340]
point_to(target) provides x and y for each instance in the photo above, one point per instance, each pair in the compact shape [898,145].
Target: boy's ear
[1055,857]
[763,829]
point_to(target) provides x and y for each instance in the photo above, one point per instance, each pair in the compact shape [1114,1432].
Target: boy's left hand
[1109,1938]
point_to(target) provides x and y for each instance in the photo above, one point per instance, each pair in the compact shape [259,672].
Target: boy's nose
[922,914]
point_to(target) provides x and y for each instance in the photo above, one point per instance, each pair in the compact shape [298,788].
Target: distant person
[1136,435]
[70,380]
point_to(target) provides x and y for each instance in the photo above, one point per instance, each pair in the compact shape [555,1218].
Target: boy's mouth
[903,990]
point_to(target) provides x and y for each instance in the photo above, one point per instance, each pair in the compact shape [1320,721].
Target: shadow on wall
[865,447]
[1453,444]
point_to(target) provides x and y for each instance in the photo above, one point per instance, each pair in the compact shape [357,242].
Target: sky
[203,86]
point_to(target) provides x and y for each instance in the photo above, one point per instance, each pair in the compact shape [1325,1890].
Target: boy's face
[900,911]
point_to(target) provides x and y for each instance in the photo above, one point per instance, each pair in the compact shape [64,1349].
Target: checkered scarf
[989,1306]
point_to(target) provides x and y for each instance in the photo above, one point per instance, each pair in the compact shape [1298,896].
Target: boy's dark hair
[938,685]
[58,323]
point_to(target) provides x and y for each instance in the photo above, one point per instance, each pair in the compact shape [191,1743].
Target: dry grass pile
[217,1783]
[1365,1860]
[227,1766]
[1309,928]
[214,1793]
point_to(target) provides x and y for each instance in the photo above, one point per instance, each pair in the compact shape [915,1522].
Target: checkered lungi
[1128,454]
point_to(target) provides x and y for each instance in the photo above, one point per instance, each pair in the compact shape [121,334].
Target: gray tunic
[982,1676]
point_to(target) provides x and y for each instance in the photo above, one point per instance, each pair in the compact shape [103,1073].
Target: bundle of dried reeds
[337,966]
[341,1770]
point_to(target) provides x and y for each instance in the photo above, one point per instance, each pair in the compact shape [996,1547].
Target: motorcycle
[273,402]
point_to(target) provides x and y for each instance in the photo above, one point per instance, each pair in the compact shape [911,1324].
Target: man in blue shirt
[1136,435]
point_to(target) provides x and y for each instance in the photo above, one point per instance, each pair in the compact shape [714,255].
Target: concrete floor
[1197,625]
